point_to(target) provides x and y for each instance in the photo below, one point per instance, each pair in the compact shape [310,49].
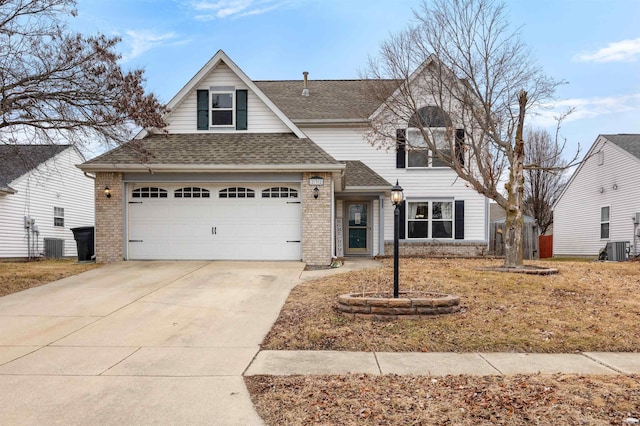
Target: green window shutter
[241,109]
[203,110]
[402,209]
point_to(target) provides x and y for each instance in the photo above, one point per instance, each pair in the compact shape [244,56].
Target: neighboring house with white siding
[42,196]
[275,170]
[600,201]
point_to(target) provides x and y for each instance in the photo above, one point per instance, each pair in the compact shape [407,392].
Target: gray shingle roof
[17,160]
[628,142]
[327,100]
[217,149]
[357,174]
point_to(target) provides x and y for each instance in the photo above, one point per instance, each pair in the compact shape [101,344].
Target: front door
[357,228]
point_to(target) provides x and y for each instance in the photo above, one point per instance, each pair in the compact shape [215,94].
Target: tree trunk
[514,222]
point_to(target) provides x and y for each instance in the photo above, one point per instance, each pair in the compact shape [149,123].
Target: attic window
[222,105]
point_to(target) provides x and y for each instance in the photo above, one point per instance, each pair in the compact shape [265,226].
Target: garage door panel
[215,228]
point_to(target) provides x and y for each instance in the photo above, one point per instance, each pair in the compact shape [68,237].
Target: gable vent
[305,90]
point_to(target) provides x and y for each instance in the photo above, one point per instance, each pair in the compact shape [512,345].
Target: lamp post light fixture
[396,199]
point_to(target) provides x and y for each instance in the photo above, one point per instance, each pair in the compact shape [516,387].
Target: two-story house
[276,170]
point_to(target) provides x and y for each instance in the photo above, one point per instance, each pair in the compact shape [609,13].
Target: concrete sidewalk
[282,363]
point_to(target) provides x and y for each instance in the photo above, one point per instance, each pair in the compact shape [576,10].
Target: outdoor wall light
[107,192]
[316,192]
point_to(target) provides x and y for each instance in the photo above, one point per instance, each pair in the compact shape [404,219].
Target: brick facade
[109,226]
[437,249]
[316,221]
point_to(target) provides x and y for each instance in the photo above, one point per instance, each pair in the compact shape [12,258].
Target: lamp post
[396,199]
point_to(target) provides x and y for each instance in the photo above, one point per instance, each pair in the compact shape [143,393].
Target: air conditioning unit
[54,248]
[618,251]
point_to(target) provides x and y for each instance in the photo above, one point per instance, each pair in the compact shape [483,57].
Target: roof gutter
[211,168]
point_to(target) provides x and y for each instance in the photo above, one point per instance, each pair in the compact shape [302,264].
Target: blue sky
[593,45]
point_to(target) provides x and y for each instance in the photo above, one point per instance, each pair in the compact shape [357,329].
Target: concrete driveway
[139,343]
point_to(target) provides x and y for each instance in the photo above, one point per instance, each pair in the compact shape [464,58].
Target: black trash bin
[84,237]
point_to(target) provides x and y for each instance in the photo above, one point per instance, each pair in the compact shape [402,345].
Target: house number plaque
[316,181]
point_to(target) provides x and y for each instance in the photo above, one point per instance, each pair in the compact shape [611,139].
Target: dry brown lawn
[450,400]
[588,306]
[18,276]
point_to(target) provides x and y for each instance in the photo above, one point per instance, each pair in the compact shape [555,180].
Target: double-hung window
[222,107]
[58,216]
[430,219]
[605,214]
[418,154]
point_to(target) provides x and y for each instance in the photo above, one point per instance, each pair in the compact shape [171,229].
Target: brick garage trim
[316,221]
[109,222]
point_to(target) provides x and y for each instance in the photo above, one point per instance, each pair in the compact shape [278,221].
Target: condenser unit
[618,251]
[53,248]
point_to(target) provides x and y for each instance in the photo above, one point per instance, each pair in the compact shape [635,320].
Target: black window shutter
[401,140]
[241,109]
[203,110]
[459,212]
[460,146]
[403,220]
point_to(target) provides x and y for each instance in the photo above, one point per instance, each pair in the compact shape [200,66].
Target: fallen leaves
[459,400]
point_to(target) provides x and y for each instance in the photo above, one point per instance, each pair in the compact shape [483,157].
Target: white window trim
[603,222]
[58,213]
[430,219]
[231,92]
[413,133]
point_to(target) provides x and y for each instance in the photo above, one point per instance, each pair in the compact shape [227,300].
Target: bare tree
[478,79]
[544,175]
[60,87]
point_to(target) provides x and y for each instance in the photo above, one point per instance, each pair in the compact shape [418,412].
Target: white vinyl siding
[261,119]
[437,183]
[577,215]
[56,183]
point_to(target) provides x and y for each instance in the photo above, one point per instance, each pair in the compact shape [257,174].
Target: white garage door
[230,222]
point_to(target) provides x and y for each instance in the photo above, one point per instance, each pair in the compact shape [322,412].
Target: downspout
[333,221]
[381,226]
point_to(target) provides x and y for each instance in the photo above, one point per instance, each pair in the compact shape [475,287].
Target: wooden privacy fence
[545,242]
[529,240]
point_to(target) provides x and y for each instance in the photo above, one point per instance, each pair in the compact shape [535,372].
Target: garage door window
[280,192]
[237,192]
[191,192]
[149,192]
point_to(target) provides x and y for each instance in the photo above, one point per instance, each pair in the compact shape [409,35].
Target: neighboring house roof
[497,214]
[328,100]
[18,160]
[360,176]
[628,142]
[217,151]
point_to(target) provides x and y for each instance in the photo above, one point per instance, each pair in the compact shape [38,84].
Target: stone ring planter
[409,305]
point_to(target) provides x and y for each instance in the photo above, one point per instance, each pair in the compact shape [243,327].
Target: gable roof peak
[219,57]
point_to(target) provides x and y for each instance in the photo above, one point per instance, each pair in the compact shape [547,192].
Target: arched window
[437,123]
[149,192]
[237,192]
[280,192]
[191,192]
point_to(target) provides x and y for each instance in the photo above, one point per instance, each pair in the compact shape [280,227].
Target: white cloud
[141,41]
[625,50]
[210,10]
[586,108]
